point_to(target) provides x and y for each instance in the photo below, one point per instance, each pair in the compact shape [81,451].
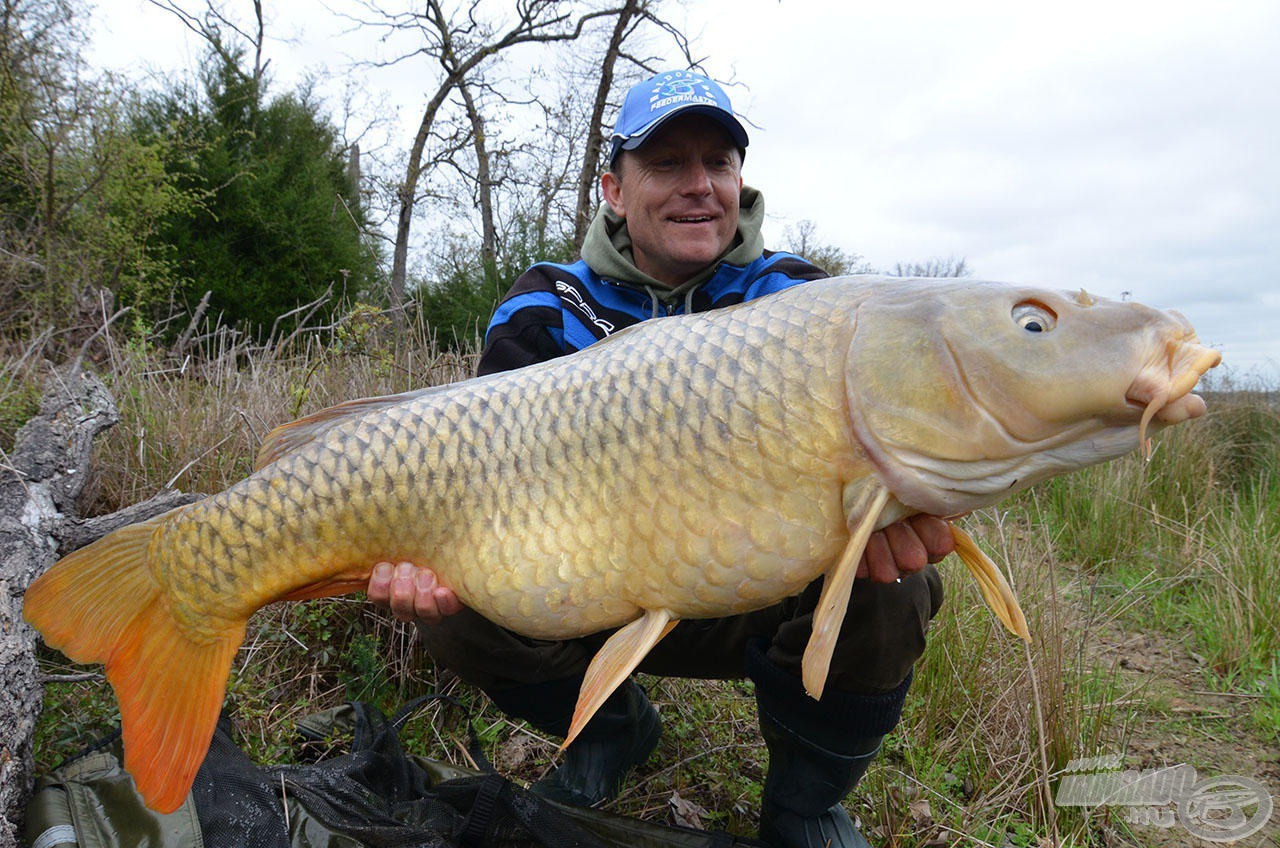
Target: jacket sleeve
[528,326]
[784,271]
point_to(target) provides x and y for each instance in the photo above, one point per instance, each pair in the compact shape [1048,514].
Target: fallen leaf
[921,812]
[686,813]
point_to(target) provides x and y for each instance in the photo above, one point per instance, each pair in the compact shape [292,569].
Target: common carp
[692,467]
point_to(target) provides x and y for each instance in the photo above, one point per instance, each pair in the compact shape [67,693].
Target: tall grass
[195,423]
[1184,542]
[1199,523]
[992,722]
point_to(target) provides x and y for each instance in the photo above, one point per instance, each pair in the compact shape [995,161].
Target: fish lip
[1168,378]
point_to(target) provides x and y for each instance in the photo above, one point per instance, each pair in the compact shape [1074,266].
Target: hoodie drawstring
[653,299]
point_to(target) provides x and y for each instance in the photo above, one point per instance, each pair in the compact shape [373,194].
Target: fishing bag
[374,796]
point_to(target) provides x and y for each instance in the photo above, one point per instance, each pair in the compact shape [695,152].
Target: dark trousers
[882,637]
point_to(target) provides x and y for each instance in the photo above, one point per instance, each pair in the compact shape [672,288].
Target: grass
[1182,545]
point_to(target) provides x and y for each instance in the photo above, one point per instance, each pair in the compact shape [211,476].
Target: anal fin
[614,662]
[834,600]
[996,591]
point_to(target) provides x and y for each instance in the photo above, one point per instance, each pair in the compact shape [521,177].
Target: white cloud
[1123,147]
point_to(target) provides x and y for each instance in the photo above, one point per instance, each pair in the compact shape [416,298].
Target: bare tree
[484,182]
[213,24]
[802,240]
[949,267]
[590,170]
[460,40]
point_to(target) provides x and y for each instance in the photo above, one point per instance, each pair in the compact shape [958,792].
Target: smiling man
[681,233]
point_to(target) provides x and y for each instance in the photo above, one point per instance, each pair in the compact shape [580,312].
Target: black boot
[818,751]
[620,736]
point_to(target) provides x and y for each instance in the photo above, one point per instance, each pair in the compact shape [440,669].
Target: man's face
[679,193]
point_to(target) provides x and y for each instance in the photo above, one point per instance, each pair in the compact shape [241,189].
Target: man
[680,233]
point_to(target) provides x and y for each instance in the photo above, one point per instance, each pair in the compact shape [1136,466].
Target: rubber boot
[620,736]
[818,751]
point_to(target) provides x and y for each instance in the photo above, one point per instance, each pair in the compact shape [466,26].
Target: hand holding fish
[411,592]
[906,547]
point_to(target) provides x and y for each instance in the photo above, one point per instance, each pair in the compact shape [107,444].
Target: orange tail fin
[102,604]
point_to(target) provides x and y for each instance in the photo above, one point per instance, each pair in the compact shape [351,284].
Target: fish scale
[696,466]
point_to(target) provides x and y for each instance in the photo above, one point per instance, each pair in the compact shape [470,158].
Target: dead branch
[39,489]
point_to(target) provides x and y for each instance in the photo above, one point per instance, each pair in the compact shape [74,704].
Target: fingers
[935,534]
[411,593]
[905,548]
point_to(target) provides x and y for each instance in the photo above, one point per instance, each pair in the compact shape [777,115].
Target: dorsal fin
[291,437]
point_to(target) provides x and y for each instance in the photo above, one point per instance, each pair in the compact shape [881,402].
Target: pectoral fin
[834,601]
[616,659]
[996,591]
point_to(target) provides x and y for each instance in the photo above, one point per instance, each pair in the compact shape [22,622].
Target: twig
[184,468]
[185,338]
[1246,695]
[311,308]
[84,348]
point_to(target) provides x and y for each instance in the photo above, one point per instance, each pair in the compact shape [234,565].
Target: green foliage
[1266,714]
[114,230]
[80,197]
[19,401]
[458,303]
[278,225]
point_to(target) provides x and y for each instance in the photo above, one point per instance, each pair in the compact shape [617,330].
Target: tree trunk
[39,487]
[484,178]
[406,195]
[595,139]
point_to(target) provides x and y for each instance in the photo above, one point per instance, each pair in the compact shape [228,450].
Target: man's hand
[411,593]
[905,548]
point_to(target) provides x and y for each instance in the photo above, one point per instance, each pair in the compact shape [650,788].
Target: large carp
[692,467]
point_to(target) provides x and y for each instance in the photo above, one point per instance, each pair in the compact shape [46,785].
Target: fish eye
[1034,317]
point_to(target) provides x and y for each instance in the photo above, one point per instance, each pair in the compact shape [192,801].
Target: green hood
[607,249]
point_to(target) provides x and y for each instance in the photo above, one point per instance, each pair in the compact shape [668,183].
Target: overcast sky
[1121,146]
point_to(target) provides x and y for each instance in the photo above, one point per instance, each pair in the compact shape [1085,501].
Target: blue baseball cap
[652,103]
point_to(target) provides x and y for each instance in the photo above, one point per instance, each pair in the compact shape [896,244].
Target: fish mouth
[1162,389]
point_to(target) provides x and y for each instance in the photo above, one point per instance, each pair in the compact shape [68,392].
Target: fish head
[964,392]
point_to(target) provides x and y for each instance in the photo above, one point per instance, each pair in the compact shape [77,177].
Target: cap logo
[680,89]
